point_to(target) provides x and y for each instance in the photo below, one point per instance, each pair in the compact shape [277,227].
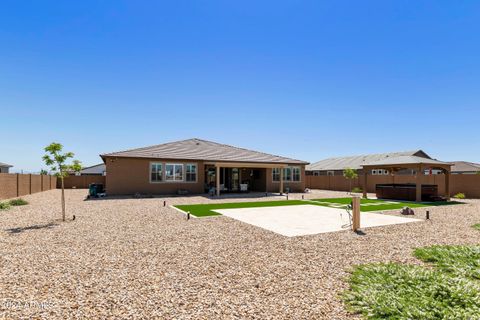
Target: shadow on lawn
[34,227]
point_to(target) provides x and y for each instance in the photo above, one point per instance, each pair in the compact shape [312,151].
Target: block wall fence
[14,185]
[465,183]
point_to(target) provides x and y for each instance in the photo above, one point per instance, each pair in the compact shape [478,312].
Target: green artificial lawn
[204,210]
[367,205]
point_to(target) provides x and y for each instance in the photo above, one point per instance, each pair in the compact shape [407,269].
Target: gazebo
[419,164]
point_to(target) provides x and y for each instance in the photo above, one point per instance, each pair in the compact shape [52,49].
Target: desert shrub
[18,202]
[357,190]
[4,205]
[396,291]
[459,195]
[459,260]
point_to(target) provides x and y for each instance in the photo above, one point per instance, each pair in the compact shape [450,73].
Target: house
[4,168]
[335,166]
[96,170]
[197,166]
[463,167]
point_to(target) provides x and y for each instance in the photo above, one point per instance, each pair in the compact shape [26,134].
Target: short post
[356,213]
[188,215]
[303,197]
[164,203]
[427,215]
[287,195]
[266,194]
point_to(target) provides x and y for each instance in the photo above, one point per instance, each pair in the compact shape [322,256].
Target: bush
[459,195]
[458,260]
[476,226]
[18,202]
[357,190]
[4,205]
[397,291]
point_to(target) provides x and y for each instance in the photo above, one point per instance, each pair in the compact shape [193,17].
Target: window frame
[162,177]
[276,175]
[174,172]
[186,165]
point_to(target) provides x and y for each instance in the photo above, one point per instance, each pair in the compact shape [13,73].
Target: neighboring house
[4,167]
[197,166]
[96,170]
[463,167]
[335,166]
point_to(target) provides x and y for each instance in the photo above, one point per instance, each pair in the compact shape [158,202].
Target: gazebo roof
[407,160]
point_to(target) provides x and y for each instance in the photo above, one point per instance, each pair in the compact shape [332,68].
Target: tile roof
[464,166]
[356,162]
[406,160]
[5,165]
[197,149]
[96,169]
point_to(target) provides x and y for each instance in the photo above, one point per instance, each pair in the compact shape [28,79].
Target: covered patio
[419,164]
[242,177]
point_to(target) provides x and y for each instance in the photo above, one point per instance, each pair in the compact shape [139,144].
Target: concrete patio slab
[307,219]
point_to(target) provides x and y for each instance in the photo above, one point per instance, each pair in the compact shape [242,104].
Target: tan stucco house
[198,166]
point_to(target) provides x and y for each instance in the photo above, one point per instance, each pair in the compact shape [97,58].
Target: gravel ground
[134,258]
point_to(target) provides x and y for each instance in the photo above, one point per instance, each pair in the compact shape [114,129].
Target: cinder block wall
[17,185]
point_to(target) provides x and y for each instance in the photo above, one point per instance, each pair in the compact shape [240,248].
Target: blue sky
[305,79]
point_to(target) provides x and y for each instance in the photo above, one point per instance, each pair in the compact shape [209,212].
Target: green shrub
[18,202]
[4,205]
[459,195]
[357,190]
[458,260]
[476,226]
[396,291]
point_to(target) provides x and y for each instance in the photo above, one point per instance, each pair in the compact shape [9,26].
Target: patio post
[281,181]
[447,185]
[418,187]
[217,178]
[356,213]
[365,183]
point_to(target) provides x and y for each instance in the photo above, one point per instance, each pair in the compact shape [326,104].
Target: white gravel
[134,258]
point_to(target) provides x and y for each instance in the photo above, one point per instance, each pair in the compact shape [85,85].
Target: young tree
[44,172]
[58,163]
[350,174]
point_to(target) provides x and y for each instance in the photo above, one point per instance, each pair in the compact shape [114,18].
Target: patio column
[447,184]
[365,183]
[281,181]
[217,177]
[418,187]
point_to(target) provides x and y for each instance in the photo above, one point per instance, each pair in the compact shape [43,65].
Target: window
[173,172]
[374,172]
[191,172]
[296,174]
[330,173]
[276,174]
[289,174]
[156,172]
[316,173]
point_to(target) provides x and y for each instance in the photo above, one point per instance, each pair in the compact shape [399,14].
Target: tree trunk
[63,200]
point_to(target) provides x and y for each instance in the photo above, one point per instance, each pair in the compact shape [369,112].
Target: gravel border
[134,258]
